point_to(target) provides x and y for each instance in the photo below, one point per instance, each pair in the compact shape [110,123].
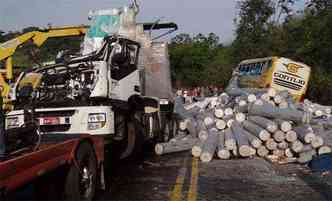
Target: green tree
[252,28]
[181,39]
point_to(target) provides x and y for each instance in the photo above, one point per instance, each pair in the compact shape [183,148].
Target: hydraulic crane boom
[8,49]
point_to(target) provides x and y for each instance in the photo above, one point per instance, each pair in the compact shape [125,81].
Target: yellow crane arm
[8,48]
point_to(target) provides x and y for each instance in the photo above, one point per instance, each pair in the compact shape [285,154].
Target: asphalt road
[178,177]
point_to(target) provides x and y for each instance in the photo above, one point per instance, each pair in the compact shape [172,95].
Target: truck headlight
[163,102]
[96,121]
[12,122]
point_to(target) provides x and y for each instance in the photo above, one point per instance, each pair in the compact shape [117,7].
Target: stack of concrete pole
[266,124]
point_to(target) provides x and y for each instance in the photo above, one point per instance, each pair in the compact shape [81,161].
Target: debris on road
[247,122]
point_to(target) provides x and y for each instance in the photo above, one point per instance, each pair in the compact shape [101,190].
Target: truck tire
[80,183]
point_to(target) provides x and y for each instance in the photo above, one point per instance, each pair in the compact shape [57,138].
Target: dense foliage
[263,28]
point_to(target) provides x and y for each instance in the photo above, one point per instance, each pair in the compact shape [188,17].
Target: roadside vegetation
[263,28]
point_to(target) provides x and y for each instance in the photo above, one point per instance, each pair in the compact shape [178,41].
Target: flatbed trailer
[82,154]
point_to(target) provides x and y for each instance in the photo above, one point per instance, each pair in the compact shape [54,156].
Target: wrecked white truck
[117,91]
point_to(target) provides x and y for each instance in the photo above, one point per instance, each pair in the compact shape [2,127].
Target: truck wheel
[80,183]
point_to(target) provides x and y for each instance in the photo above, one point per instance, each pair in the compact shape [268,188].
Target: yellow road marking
[192,194]
[176,194]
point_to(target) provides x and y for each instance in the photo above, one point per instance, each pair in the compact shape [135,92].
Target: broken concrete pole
[178,137]
[189,125]
[253,140]
[180,109]
[202,130]
[278,99]
[221,124]
[203,104]
[240,117]
[291,136]
[289,153]
[264,123]
[324,150]
[256,130]
[271,144]
[229,112]
[317,107]
[192,128]
[297,146]
[235,152]
[284,105]
[224,98]
[278,152]
[243,106]
[230,122]
[252,98]
[285,126]
[172,147]
[317,142]
[272,92]
[271,102]
[259,102]
[279,136]
[182,125]
[306,157]
[222,152]
[283,145]
[209,120]
[265,97]
[233,88]
[203,135]
[238,99]
[262,151]
[210,146]
[272,112]
[306,147]
[219,113]
[230,141]
[245,150]
[318,113]
[304,133]
[196,150]
[325,136]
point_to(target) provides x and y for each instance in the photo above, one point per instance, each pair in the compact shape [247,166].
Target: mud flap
[131,141]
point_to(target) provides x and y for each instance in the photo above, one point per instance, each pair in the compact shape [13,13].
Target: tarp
[321,163]
[154,62]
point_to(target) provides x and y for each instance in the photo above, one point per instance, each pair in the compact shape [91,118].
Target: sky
[192,16]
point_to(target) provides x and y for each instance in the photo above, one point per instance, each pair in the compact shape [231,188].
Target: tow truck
[71,114]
